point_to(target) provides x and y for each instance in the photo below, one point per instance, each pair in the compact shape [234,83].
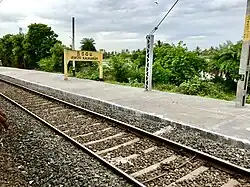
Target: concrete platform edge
[96,105]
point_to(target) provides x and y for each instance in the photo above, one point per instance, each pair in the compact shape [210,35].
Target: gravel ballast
[31,154]
[195,139]
[146,160]
[125,151]
[131,164]
[171,174]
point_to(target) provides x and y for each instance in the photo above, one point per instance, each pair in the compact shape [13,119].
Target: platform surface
[211,114]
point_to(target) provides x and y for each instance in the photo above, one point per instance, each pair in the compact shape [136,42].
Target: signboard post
[83,56]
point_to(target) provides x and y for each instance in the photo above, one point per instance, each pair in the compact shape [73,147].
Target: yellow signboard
[76,55]
[83,55]
[247,28]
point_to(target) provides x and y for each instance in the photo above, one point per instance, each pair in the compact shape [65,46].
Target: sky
[124,24]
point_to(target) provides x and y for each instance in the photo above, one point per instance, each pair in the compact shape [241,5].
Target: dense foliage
[211,72]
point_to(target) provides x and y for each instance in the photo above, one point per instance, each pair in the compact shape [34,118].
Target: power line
[164,17]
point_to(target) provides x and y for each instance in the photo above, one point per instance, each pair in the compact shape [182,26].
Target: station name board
[83,55]
[247,28]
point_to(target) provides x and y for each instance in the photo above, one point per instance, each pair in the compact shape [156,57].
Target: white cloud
[116,24]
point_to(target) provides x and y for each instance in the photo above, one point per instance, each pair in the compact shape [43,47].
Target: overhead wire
[157,26]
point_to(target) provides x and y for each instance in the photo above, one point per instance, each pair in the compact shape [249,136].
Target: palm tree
[88,44]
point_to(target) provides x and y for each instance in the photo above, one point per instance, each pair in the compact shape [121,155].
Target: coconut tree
[88,44]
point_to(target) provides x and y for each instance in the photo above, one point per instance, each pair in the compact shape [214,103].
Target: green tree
[88,44]
[120,68]
[223,62]
[175,64]
[175,67]
[6,47]
[55,62]
[38,42]
[228,59]
[57,56]
[18,51]
[46,64]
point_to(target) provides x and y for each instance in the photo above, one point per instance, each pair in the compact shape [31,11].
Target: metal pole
[20,30]
[242,85]
[149,52]
[149,62]
[73,44]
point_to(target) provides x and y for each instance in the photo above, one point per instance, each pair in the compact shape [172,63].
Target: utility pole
[20,30]
[242,85]
[73,45]
[150,51]
[149,62]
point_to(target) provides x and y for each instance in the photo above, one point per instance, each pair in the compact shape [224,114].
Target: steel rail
[113,168]
[214,161]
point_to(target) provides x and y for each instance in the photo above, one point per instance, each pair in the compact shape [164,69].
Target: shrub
[120,69]
[46,64]
[89,71]
[166,87]
[200,87]
[196,86]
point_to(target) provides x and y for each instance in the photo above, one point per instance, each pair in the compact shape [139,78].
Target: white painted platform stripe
[118,146]
[88,134]
[191,175]
[133,156]
[104,139]
[231,183]
[153,167]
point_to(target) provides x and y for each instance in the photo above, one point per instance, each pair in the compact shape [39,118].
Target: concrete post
[242,85]
[149,62]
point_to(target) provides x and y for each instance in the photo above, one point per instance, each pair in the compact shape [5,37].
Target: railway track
[143,158]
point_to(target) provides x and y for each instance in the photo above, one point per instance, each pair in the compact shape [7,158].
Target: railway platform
[205,113]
